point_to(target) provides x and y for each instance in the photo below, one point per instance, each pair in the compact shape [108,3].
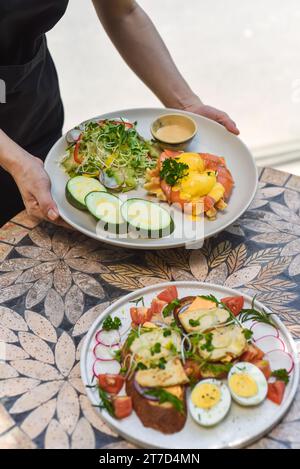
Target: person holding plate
[31,118]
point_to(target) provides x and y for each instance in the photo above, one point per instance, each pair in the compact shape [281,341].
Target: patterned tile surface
[54,283]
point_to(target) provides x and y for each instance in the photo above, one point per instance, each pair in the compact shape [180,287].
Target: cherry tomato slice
[140,315]
[157,306]
[192,369]
[276,392]
[234,303]
[169,294]
[77,157]
[111,383]
[252,354]
[122,406]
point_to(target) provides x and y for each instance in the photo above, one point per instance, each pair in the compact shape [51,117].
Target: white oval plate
[242,425]
[211,138]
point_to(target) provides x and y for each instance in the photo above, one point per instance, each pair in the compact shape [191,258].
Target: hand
[34,185]
[214,114]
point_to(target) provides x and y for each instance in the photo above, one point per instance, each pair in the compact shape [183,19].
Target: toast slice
[172,375]
[161,417]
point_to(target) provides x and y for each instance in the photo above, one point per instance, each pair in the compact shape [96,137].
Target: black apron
[32,115]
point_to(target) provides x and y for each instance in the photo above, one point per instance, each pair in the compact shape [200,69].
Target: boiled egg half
[247,384]
[209,402]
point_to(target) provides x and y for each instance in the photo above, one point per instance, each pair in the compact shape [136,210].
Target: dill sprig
[253,314]
[138,300]
[106,402]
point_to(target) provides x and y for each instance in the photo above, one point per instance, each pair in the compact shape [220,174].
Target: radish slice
[261,330]
[108,338]
[103,367]
[269,342]
[103,352]
[279,359]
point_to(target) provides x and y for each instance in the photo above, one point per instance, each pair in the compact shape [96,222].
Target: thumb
[53,213]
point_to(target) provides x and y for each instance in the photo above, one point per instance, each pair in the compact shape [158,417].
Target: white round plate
[242,425]
[211,138]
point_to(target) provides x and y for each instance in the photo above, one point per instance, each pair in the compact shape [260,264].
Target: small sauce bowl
[174,131]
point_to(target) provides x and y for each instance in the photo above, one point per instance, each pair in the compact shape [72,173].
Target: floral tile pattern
[4,250]
[24,219]
[12,233]
[54,283]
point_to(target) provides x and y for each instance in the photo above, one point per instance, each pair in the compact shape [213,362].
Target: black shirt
[22,25]
[33,112]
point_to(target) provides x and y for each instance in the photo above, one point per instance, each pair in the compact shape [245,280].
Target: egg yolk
[193,160]
[206,395]
[243,385]
[198,184]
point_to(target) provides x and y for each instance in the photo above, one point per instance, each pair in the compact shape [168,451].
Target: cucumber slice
[79,187]
[148,218]
[106,208]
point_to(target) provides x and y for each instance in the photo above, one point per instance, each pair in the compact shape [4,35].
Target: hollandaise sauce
[173,133]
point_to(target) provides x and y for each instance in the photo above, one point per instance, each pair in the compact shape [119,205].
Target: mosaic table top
[55,282]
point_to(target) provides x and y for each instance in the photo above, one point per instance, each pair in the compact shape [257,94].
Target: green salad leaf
[168,310]
[113,147]
[165,396]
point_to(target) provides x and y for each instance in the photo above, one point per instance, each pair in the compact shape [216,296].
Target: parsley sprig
[248,334]
[172,171]
[110,324]
[194,322]
[208,345]
[281,375]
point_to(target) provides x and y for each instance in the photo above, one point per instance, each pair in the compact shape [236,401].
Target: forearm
[141,46]
[30,177]
[11,155]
